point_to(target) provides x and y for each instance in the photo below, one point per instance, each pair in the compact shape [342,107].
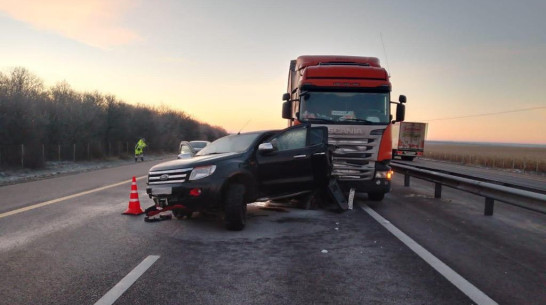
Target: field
[522,158]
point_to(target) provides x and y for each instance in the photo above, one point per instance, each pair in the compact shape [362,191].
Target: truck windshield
[345,107]
[234,143]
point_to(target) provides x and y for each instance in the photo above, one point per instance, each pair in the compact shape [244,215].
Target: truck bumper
[409,153]
[379,184]
[368,186]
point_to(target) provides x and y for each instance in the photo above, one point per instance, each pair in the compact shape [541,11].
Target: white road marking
[465,286]
[111,296]
[30,233]
[39,205]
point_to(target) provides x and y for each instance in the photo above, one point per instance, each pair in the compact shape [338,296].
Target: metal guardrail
[529,200]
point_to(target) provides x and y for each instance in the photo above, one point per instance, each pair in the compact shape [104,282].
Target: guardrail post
[489,204]
[437,190]
[532,199]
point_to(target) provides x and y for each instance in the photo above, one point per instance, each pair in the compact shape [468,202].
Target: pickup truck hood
[194,162]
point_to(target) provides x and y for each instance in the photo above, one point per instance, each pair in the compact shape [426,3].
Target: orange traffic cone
[134,203]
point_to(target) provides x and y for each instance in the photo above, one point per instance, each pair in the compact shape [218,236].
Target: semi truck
[350,95]
[408,140]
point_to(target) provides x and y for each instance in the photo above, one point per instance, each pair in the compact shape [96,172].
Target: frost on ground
[55,168]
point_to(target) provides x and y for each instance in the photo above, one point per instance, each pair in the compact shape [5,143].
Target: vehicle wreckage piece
[336,194]
[154,210]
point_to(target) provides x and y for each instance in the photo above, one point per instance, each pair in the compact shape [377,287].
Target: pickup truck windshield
[234,143]
[347,107]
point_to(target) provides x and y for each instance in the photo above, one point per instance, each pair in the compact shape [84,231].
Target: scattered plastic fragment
[324,251]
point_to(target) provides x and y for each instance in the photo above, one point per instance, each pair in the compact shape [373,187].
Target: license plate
[162,191]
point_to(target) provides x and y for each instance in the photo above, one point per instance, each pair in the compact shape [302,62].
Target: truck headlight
[384,174]
[202,172]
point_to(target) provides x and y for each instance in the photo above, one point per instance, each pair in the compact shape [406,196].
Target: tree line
[33,115]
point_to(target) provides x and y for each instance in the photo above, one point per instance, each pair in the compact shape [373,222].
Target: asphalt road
[74,251]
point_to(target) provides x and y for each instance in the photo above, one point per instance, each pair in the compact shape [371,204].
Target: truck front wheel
[235,207]
[376,196]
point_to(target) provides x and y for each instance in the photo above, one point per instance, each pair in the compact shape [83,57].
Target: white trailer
[408,140]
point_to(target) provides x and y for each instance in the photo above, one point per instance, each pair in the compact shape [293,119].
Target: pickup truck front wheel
[235,207]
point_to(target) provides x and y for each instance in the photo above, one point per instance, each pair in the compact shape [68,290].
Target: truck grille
[354,156]
[169,176]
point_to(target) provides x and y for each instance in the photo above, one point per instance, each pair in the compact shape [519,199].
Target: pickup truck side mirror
[265,148]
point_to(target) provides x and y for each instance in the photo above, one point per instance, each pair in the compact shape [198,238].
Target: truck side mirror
[287,110]
[286,96]
[400,112]
[402,99]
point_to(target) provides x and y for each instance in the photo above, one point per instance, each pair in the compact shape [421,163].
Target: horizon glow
[227,63]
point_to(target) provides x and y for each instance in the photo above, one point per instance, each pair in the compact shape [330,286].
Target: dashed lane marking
[39,205]
[111,296]
[465,286]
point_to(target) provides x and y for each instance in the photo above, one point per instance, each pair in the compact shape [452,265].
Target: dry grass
[525,159]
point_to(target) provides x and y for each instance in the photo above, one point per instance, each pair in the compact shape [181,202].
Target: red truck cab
[350,95]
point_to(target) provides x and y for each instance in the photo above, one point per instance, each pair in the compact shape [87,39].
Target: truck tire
[376,196]
[235,207]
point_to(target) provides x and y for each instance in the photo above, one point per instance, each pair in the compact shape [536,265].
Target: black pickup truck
[243,168]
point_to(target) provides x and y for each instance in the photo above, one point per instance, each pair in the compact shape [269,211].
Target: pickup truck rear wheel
[235,207]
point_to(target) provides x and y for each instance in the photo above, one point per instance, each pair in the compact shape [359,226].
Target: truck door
[297,161]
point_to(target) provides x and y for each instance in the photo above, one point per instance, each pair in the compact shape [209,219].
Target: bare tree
[36,117]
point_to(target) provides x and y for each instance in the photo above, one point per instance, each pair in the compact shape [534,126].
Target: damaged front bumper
[193,196]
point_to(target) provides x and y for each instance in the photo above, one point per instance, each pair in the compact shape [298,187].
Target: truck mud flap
[337,194]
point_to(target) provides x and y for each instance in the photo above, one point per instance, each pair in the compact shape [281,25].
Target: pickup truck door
[292,161]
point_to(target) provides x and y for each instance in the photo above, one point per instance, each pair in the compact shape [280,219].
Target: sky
[474,70]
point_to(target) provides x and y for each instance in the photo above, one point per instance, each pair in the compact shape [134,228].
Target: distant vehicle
[408,140]
[189,149]
[198,145]
[243,168]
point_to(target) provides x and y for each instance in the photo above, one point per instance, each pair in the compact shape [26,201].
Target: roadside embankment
[55,168]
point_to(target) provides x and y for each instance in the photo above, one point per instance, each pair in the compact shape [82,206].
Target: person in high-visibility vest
[139,149]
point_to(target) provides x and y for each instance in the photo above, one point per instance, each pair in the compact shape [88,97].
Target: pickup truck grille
[169,176]
[355,154]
